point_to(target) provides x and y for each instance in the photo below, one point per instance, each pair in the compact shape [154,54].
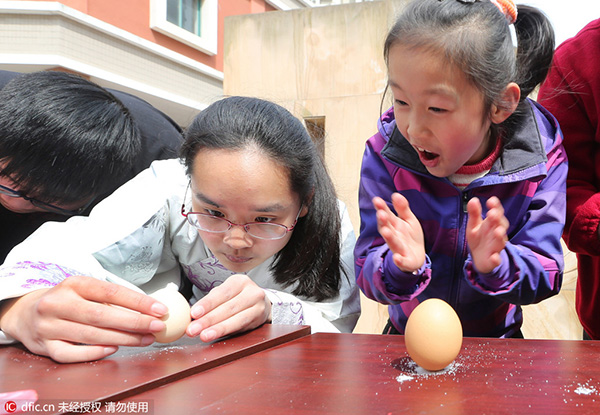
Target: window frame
[206,42]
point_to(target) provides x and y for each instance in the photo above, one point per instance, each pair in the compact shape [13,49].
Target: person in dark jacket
[66,143]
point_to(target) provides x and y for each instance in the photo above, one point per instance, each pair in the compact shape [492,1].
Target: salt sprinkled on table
[413,370]
[585,389]
[402,378]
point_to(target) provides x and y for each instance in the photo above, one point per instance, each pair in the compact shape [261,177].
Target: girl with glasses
[250,219]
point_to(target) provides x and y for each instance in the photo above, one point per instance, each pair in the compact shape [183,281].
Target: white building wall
[43,35]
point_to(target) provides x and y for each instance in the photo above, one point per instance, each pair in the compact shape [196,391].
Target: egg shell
[433,334]
[178,317]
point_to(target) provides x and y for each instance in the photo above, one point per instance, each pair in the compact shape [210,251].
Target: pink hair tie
[508,9]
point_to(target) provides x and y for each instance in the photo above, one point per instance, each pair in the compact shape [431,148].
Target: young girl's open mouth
[428,158]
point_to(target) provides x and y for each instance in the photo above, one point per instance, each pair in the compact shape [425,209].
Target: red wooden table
[372,374]
[129,371]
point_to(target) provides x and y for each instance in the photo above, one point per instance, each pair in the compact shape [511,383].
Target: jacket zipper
[460,249]
[465,200]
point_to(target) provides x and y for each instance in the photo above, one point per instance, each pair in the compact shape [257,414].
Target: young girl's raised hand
[235,306]
[401,232]
[486,237]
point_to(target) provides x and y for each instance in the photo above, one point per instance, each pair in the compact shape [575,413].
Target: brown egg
[178,317]
[433,334]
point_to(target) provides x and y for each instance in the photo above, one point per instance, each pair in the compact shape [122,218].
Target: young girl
[251,220]
[461,138]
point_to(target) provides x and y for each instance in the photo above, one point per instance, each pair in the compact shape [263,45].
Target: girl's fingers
[394,243]
[401,205]
[380,204]
[236,306]
[382,220]
[474,211]
[494,203]
[105,292]
[244,320]
[64,352]
[240,304]
[82,333]
[94,315]
[219,295]
[385,217]
[474,208]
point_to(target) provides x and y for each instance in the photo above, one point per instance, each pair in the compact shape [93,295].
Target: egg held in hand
[433,334]
[178,317]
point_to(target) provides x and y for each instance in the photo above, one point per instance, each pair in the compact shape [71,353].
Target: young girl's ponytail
[535,48]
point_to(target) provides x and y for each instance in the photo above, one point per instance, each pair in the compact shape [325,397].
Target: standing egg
[433,334]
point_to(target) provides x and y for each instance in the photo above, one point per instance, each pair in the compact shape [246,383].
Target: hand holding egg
[178,317]
[433,334]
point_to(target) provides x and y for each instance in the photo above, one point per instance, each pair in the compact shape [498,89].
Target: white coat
[138,237]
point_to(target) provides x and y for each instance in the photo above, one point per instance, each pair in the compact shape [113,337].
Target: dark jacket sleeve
[161,136]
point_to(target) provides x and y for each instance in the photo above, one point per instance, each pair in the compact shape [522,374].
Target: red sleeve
[572,94]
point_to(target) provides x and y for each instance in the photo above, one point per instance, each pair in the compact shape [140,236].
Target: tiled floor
[553,318]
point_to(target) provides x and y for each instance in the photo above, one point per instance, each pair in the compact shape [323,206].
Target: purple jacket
[529,178]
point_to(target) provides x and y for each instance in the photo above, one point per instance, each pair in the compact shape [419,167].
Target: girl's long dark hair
[311,258]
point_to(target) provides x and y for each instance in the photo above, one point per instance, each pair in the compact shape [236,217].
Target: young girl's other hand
[75,321]
[486,237]
[235,306]
[402,233]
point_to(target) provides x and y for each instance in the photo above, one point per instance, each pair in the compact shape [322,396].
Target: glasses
[215,224]
[43,205]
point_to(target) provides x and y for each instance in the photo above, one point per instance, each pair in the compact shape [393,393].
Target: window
[193,22]
[185,14]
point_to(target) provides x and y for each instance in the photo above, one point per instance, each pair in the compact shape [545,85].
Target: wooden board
[131,370]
